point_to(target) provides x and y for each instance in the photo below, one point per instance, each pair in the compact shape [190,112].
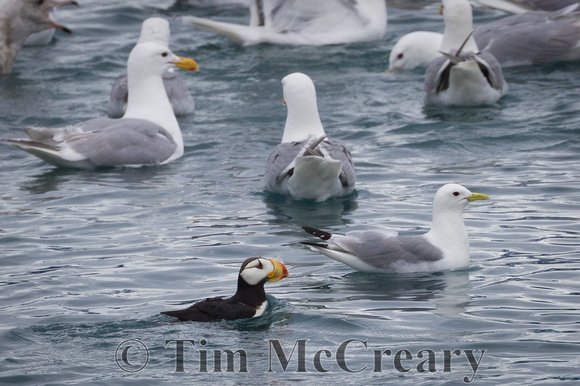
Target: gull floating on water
[304,22]
[307,164]
[21,18]
[463,76]
[148,134]
[154,29]
[530,38]
[445,246]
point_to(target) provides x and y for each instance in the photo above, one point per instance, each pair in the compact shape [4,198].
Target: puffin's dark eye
[164,54]
[40,2]
[400,56]
[260,266]
[456,194]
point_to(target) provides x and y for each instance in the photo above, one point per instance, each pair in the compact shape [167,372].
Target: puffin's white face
[454,197]
[260,268]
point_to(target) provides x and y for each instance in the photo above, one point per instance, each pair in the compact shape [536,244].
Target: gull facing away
[463,76]
[444,247]
[21,18]
[536,37]
[148,134]
[307,164]
[304,22]
[154,29]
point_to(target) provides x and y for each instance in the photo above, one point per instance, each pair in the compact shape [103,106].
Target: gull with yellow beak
[154,29]
[444,247]
[249,300]
[148,133]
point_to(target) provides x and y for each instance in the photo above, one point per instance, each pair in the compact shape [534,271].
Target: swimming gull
[415,49]
[445,246]
[531,38]
[148,134]
[463,76]
[304,22]
[154,29]
[307,164]
[20,19]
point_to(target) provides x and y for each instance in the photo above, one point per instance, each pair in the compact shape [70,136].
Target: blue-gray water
[88,259]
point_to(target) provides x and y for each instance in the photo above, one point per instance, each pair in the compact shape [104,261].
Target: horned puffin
[249,300]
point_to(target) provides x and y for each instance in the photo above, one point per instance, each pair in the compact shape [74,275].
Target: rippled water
[90,258]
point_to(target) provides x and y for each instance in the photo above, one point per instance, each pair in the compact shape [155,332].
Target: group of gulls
[463,68]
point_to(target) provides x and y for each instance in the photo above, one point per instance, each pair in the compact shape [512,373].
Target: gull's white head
[256,270]
[452,198]
[155,29]
[154,59]
[302,120]
[458,17]
[415,49]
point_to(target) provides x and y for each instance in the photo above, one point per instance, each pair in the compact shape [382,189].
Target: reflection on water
[288,212]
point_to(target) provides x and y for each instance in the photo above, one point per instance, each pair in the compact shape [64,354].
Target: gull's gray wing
[437,76]
[491,70]
[381,249]
[177,92]
[337,150]
[530,38]
[110,142]
[118,98]
[280,162]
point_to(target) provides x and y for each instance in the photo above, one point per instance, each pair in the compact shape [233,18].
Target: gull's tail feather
[315,178]
[48,153]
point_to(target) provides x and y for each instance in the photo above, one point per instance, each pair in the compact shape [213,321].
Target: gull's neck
[448,233]
[148,100]
[458,25]
[302,121]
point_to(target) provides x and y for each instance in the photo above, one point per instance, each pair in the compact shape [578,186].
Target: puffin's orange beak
[279,272]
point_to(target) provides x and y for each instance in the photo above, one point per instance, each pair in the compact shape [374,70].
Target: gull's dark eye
[400,56]
[456,194]
[164,54]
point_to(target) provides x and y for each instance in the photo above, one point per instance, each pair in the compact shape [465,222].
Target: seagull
[444,247]
[148,134]
[154,29]
[415,49]
[463,76]
[536,37]
[304,22]
[307,164]
[249,301]
[21,18]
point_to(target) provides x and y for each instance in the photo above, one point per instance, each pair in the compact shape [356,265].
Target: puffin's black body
[244,304]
